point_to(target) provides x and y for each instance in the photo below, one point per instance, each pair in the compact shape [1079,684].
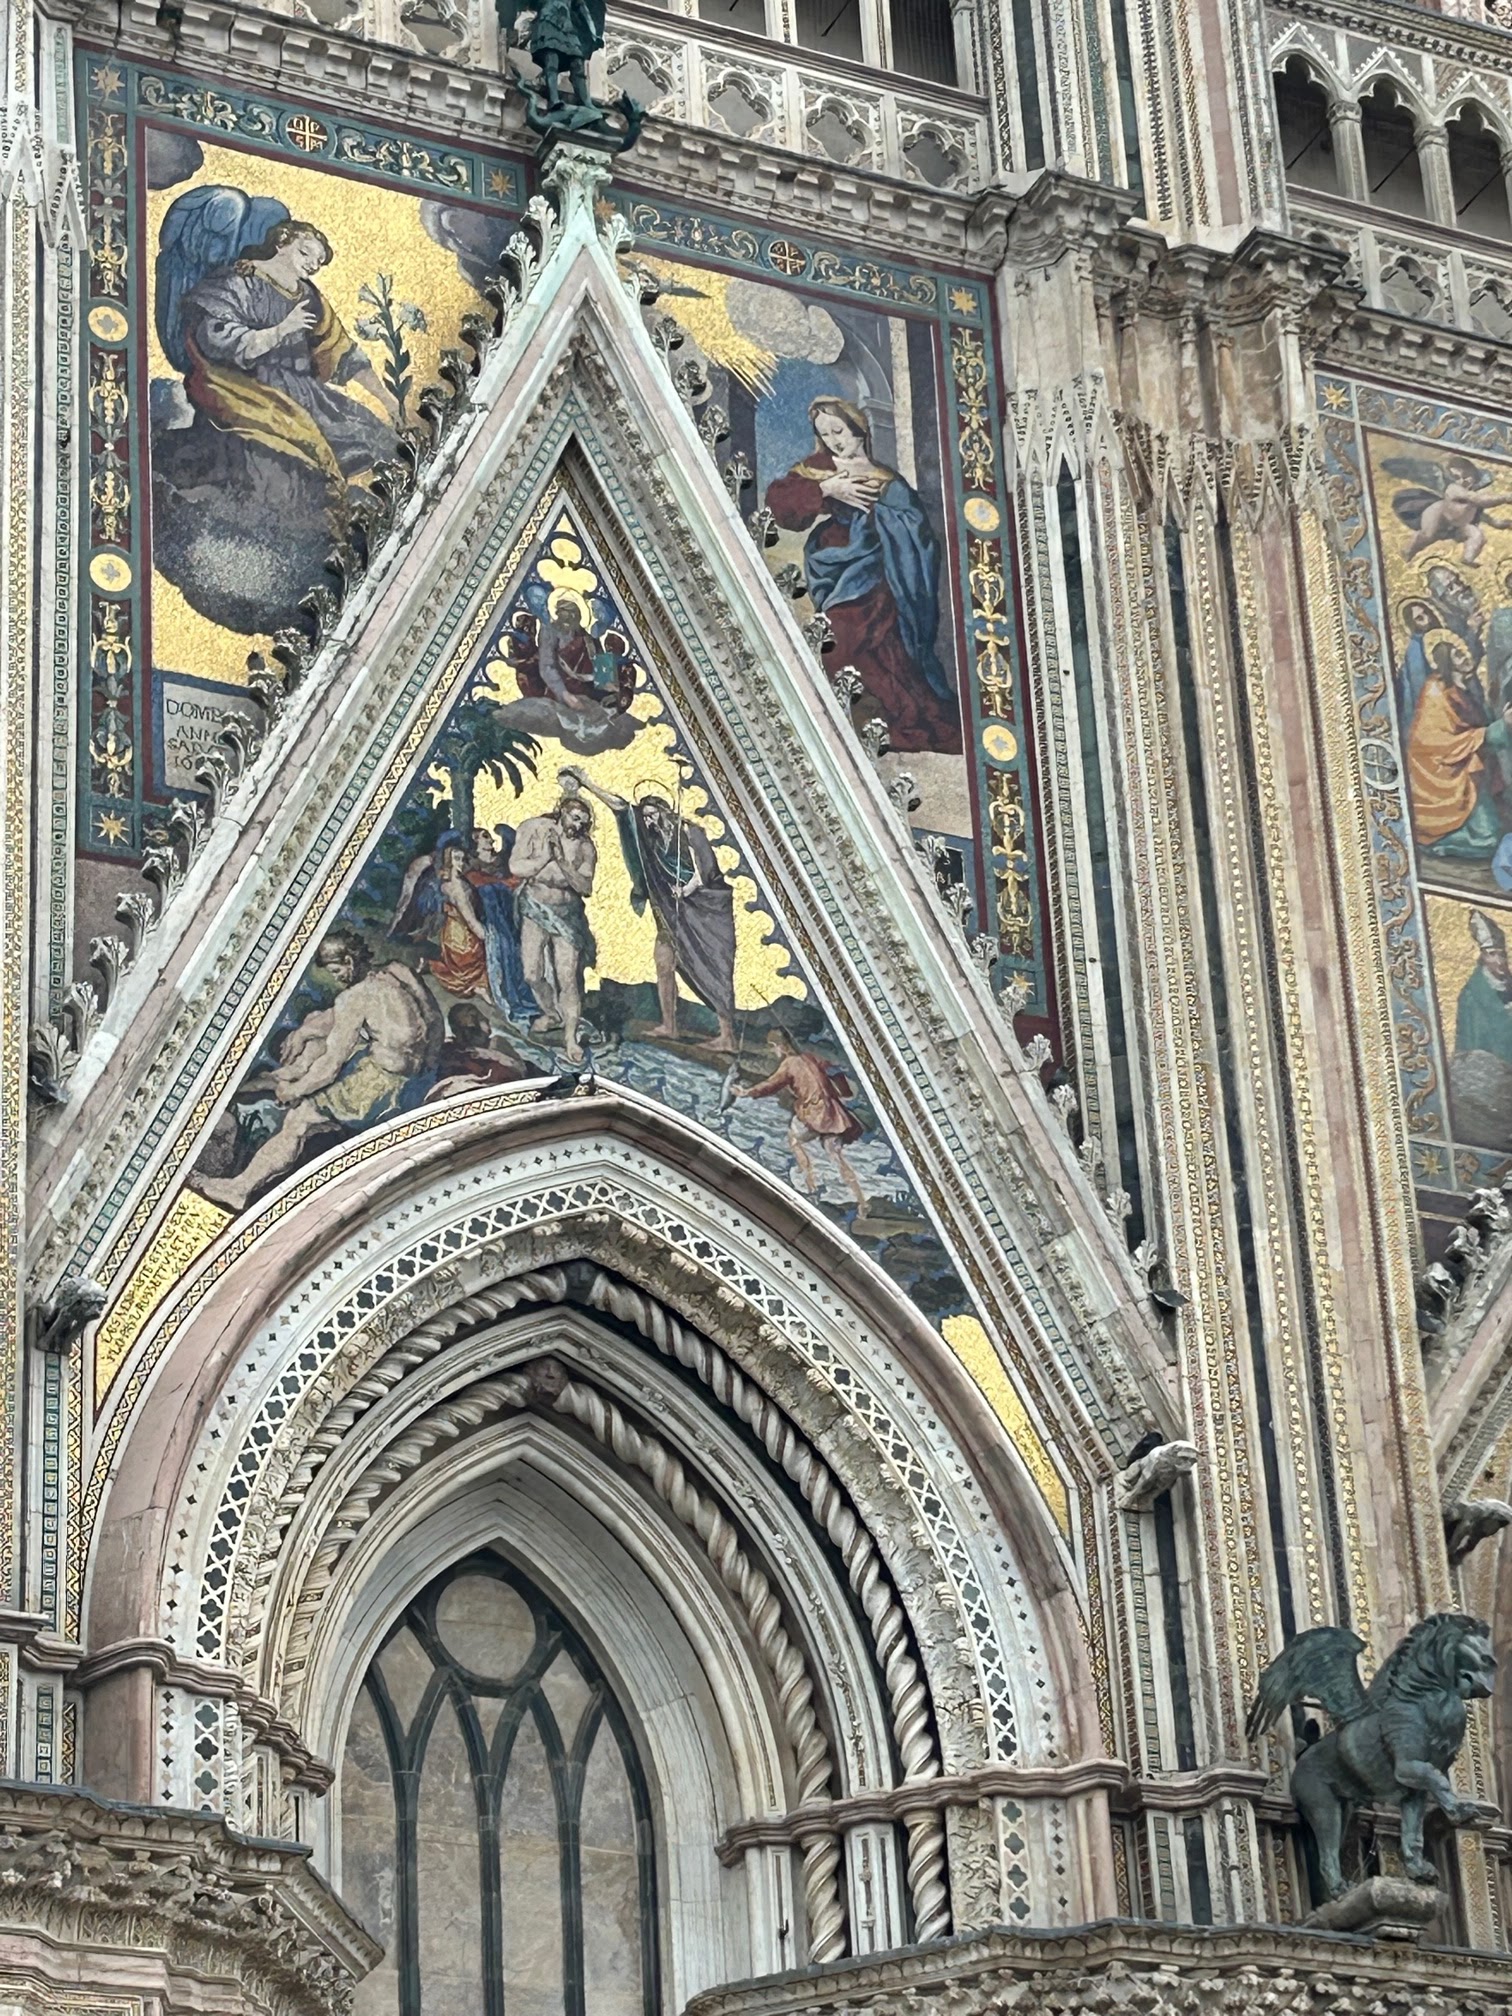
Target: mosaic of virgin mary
[873,566]
[248,497]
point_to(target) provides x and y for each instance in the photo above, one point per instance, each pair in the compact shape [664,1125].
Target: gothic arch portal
[715,1437]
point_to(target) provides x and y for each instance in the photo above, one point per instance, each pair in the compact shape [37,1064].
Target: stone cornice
[81,1870]
[1299,276]
[1441,359]
[1402,25]
[1159,1970]
[1187,1792]
[260,1717]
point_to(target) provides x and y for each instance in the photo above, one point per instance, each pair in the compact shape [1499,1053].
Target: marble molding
[1119,1966]
[151,1908]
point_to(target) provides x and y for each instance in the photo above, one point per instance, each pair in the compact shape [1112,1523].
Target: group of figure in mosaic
[521,913]
[1453,658]
[557,889]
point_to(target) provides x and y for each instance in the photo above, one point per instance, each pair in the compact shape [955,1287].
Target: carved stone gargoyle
[1393,1741]
[57,1323]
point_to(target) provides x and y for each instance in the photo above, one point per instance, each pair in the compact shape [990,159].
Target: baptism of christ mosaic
[558,891]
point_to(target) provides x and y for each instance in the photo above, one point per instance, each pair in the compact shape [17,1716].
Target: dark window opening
[833,26]
[1306,137]
[1476,174]
[923,39]
[495,1821]
[1393,172]
[747,14]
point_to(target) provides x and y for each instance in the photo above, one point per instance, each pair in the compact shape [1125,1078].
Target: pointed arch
[576,366]
[591,1292]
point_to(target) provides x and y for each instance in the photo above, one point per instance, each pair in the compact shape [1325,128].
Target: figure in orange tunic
[462,967]
[1453,786]
[816,1097]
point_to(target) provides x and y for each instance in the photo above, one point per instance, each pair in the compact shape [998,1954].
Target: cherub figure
[1446,501]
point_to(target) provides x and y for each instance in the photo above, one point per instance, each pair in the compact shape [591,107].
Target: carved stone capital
[1059,213]
[576,171]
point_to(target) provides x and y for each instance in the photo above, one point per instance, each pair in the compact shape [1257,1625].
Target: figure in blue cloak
[461,900]
[873,567]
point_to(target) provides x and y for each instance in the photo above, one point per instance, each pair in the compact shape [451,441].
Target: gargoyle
[61,1321]
[1152,1472]
[1394,1740]
[1468,1521]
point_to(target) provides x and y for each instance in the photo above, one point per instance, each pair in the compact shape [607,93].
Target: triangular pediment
[557,891]
[572,586]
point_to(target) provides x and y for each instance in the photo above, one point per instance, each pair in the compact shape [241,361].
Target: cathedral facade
[756,1166]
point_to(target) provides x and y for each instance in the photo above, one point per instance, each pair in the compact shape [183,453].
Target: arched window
[1306,137]
[833,26]
[923,39]
[495,1824]
[1476,173]
[1393,173]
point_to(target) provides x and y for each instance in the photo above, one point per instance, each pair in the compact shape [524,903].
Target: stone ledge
[1144,1969]
[1382,1907]
[130,1900]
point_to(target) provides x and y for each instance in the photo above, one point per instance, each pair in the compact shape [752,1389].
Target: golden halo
[578,600]
[653,787]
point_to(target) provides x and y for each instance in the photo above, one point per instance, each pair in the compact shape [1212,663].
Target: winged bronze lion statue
[1393,1741]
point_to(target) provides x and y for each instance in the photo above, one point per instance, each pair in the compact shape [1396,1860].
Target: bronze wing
[1321,1665]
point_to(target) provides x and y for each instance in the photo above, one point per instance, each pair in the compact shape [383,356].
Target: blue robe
[891,543]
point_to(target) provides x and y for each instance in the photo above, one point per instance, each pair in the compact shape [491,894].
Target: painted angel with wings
[249,494]
[1447,500]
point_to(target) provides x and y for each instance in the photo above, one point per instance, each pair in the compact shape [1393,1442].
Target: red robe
[867,632]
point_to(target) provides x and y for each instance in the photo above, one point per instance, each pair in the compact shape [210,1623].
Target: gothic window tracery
[1477,174]
[1305,130]
[1393,170]
[496,1829]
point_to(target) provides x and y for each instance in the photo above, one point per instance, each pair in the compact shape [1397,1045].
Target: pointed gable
[557,893]
[571,585]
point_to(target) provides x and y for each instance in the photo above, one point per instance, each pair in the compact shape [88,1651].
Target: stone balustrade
[1412,268]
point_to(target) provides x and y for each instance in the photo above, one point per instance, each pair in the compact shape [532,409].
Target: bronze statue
[1394,1740]
[567,32]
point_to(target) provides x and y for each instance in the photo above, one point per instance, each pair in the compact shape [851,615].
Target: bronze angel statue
[1393,1741]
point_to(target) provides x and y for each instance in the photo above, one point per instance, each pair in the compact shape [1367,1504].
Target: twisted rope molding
[824,1912]
[548,1384]
[908,1695]
[420,1344]
[830,1506]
